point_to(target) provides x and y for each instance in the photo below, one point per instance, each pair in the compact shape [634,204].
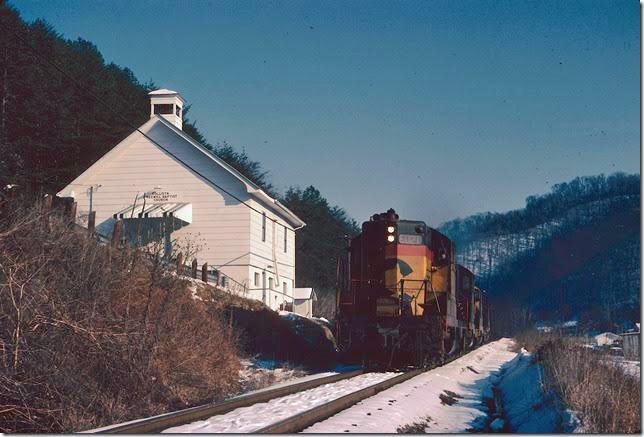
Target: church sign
[159,195]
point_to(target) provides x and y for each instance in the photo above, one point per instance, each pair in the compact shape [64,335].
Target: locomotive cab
[397,292]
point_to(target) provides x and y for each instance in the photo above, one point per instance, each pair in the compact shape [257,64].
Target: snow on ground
[526,407]
[250,419]
[631,368]
[247,364]
[457,398]
[254,375]
[470,378]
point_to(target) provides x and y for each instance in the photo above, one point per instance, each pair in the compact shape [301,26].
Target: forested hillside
[319,243]
[572,253]
[63,107]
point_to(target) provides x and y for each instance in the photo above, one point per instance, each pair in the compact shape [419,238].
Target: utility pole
[91,195]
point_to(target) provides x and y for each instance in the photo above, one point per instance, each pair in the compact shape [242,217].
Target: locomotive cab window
[411,232]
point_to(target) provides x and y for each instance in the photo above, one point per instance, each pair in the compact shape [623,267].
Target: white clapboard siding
[220,224]
[227,233]
[276,264]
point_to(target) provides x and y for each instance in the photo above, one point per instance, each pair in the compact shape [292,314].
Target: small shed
[606,338]
[303,301]
[631,345]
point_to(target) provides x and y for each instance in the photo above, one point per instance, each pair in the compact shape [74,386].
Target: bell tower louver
[167,104]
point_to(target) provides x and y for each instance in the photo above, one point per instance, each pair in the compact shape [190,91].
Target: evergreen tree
[321,240]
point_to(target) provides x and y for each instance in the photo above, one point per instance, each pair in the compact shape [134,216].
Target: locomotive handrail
[425,282]
[399,287]
[415,298]
[438,304]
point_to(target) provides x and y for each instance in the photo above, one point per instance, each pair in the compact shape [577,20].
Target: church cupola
[167,104]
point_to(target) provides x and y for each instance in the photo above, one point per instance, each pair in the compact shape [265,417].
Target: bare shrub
[92,335]
[607,399]
[418,427]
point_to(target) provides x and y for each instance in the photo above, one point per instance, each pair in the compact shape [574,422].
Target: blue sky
[439,109]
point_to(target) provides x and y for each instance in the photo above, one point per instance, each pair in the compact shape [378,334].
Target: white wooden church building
[159,174]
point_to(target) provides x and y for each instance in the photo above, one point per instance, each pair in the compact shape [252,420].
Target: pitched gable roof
[304,293]
[250,186]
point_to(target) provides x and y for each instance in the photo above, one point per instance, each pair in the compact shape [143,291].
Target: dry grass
[608,400]
[419,427]
[92,335]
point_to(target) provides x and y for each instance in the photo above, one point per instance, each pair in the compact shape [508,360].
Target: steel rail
[307,418]
[181,417]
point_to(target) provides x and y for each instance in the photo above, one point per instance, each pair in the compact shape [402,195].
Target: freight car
[402,300]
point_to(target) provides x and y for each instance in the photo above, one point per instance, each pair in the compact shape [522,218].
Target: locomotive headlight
[390,238]
[391,230]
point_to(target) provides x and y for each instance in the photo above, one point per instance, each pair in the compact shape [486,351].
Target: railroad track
[292,424]
[300,421]
[177,418]
[307,418]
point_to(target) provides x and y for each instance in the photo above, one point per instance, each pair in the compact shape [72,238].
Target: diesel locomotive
[402,300]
